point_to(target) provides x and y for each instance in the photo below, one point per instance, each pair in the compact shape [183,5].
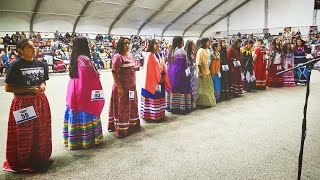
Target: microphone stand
[310,65]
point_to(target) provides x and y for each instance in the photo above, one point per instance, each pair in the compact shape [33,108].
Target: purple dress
[179,99]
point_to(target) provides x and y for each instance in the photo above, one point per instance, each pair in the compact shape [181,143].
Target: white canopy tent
[192,18]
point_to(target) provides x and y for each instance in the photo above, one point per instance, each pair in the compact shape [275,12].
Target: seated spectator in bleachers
[40,56]
[23,35]
[97,60]
[7,40]
[38,36]
[99,38]
[12,57]
[67,36]
[104,57]
[61,38]
[5,58]
[2,45]
[14,39]
[57,56]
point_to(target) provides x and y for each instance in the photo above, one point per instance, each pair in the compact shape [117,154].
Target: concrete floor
[256,136]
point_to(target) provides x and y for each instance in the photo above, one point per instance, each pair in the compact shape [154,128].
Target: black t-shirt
[26,74]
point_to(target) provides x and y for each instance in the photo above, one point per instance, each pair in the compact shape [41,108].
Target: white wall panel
[15,21]
[51,23]
[249,16]
[219,27]
[94,25]
[290,13]
[282,13]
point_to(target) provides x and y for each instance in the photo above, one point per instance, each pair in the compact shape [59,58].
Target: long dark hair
[285,49]
[223,51]
[80,47]
[235,44]
[120,45]
[303,44]
[198,46]
[214,45]
[188,49]
[151,46]
[274,44]
[176,43]
[204,42]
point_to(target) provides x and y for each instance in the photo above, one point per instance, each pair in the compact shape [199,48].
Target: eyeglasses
[126,43]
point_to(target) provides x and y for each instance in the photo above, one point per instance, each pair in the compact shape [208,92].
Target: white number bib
[279,68]
[158,88]
[97,95]
[131,95]
[225,68]
[236,63]
[24,114]
[188,72]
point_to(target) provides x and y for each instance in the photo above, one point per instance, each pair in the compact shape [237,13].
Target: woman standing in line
[179,99]
[275,65]
[82,123]
[260,66]
[215,70]
[288,62]
[234,57]
[225,73]
[206,89]
[29,140]
[302,73]
[191,61]
[123,109]
[154,84]
[248,66]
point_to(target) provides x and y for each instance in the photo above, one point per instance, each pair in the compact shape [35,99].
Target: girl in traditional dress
[29,140]
[179,99]
[82,123]
[154,85]
[123,109]
[206,89]
[287,63]
[248,66]
[225,73]
[275,65]
[301,74]
[215,70]
[234,57]
[260,66]
[191,61]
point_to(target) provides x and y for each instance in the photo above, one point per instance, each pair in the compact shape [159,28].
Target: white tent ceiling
[126,17]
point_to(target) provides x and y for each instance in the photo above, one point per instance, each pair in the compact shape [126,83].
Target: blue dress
[215,64]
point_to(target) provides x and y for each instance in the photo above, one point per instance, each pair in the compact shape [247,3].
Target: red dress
[260,70]
[123,112]
[236,80]
[29,144]
[275,80]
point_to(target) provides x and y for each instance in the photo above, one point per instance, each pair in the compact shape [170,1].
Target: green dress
[206,88]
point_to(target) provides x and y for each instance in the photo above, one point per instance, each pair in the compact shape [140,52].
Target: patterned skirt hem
[81,130]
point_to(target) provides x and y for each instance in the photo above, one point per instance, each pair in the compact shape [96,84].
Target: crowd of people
[177,77]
